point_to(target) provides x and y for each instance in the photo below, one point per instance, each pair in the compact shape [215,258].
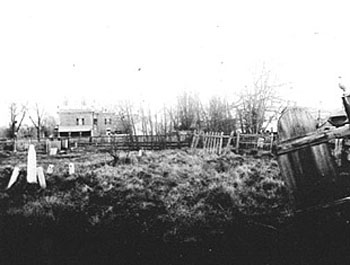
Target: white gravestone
[53,151]
[71,168]
[50,169]
[41,177]
[14,177]
[31,165]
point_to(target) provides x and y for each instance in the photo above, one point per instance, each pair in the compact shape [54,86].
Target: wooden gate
[305,160]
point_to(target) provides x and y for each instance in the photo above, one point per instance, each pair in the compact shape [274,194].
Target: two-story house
[86,123]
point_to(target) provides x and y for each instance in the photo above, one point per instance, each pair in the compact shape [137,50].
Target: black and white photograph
[174,132]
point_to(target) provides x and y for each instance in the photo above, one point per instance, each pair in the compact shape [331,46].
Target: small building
[87,123]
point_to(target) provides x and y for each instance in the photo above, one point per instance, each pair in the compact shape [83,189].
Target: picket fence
[214,142]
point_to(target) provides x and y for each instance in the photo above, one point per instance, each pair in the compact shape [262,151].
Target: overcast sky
[111,50]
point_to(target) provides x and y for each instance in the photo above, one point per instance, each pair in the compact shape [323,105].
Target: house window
[95,121]
[77,121]
[105,121]
[110,120]
[82,121]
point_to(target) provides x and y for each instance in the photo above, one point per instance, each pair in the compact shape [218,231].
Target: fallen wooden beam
[311,139]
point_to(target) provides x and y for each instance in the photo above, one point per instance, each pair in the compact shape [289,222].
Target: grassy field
[166,207]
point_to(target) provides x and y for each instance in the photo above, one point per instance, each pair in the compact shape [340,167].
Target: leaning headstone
[50,169]
[13,177]
[31,165]
[41,177]
[71,168]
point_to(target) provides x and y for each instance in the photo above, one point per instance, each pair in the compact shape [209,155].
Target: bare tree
[188,112]
[259,103]
[38,120]
[218,116]
[17,116]
[49,125]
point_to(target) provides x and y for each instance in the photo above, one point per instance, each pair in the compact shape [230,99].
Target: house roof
[75,111]
[77,128]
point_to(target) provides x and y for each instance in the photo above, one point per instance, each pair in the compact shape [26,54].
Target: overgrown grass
[160,200]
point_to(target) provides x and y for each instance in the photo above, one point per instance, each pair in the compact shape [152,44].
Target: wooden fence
[134,142]
[213,142]
[118,142]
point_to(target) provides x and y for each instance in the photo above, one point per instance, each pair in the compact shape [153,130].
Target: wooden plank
[205,140]
[309,172]
[311,139]
[212,148]
[211,142]
[218,141]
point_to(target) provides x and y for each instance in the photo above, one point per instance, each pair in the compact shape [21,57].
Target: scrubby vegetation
[169,207]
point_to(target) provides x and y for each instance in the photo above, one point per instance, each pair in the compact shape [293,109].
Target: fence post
[216,143]
[237,141]
[212,148]
[193,139]
[178,139]
[271,144]
[15,144]
[209,142]
[210,139]
[229,141]
[221,141]
[205,139]
[197,139]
